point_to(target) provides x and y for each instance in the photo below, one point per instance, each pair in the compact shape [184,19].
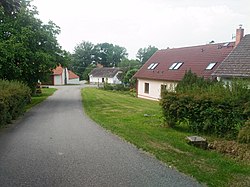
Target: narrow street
[56,144]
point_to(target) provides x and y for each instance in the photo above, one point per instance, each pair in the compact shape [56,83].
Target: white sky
[135,24]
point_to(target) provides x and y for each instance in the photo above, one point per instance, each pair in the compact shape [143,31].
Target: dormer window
[152,66]
[211,65]
[175,65]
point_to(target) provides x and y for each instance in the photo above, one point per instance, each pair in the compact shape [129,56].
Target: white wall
[74,81]
[58,80]
[154,88]
[113,80]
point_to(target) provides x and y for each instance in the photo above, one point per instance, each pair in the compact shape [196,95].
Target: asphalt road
[56,144]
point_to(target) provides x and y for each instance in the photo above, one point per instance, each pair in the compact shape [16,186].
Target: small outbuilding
[62,76]
[105,75]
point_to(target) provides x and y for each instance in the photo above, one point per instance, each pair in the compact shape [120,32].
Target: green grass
[46,92]
[124,115]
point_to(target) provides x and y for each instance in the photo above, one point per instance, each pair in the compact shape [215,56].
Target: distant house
[167,67]
[62,76]
[105,75]
[237,63]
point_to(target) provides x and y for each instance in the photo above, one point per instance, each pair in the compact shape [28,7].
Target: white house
[105,75]
[62,76]
[167,67]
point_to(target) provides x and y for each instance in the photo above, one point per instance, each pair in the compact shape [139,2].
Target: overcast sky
[135,24]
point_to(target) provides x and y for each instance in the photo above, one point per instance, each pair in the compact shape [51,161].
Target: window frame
[211,65]
[176,65]
[146,87]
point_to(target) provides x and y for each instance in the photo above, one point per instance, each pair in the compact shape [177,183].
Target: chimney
[239,35]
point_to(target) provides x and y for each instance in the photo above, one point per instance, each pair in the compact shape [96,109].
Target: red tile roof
[72,75]
[196,58]
[58,70]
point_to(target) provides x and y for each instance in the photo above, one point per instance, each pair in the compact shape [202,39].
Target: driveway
[56,144]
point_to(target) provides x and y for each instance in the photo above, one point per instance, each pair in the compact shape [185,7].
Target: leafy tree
[110,55]
[86,72]
[144,54]
[129,64]
[84,55]
[28,48]
[10,7]
[128,78]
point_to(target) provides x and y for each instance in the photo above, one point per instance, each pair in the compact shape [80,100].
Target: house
[237,63]
[62,76]
[105,75]
[167,67]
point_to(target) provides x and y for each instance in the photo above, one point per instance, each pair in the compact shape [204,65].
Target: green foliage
[13,98]
[144,54]
[244,133]
[130,67]
[209,107]
[116,87]
[191,82]
[109,55]
[83,56]
[85,75]
[28,48]
[128,78]
[87,54]
[10,7]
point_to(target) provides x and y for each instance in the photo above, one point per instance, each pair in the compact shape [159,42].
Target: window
[176,65]
[152,66]
[146,88]
[163,89]
[211,65]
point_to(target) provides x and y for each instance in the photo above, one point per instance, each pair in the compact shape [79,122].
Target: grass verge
[46,92]
[140,122]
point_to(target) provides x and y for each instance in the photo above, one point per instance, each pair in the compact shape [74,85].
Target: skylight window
[173,65]
[153,65]
[211,65]
[176,65]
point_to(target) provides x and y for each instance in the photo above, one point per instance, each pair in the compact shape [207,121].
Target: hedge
[208,106]
[204,115]
[13,98]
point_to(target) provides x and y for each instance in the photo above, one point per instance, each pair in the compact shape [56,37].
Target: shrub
[13,98]
[244,134]
[209,107]
[117,87]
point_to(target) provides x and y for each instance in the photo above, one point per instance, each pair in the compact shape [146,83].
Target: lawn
[140,122]
[36,99]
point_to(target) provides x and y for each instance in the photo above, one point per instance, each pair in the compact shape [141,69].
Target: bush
[13,98]
[244,134]
[117,87]
[209,107]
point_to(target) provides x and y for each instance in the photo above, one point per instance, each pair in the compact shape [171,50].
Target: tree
[28,48]
[128,78]
[144,54]
[84,55]
[10,7]
[110,55]
[129,64]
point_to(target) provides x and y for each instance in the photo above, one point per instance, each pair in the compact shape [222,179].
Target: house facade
[167,67]
[105,75]
[62,76]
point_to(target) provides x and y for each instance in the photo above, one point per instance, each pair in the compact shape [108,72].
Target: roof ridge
[185,47]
